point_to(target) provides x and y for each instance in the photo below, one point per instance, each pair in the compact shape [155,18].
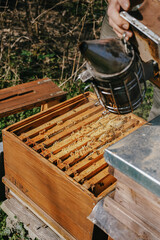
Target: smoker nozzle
[105,56]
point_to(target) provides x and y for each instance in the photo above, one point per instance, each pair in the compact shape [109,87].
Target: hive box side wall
[135,224]
[138,200]
[35,209]
[48,187]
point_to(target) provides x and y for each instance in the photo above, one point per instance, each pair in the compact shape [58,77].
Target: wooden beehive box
[135,207]
[54,160]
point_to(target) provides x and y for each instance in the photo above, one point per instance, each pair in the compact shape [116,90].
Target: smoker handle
[151,71]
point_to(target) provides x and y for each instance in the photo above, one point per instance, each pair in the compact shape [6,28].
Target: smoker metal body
[117,91]
[116,73]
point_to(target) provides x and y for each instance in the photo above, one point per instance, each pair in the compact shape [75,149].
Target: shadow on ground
[2,188]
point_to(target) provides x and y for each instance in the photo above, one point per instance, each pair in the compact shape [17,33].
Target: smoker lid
[106,56]
[138,156]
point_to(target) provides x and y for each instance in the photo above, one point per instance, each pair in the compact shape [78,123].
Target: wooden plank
[91,129]
[47,117]
[18,194]
[21,87]
[95,134]
[108,190]
[59,121]
[105,186]
[66,152]
[76,225]
[136,225]
[136,187]
[75,129]
[28,95]
[69,128]
[6,93]
[144,208]
[45,106]
[22,125]
[109,140]
[77,157]
[90,171]
[130,124]
[80,166]
[96,178]
[35,227]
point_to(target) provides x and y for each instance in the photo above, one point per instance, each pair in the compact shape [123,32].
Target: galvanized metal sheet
[138,156]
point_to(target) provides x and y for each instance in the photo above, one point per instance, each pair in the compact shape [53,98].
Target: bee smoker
[116,70]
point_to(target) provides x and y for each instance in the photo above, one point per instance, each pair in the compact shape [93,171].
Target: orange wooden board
[28,95]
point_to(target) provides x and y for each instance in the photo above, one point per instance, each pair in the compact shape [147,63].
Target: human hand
[119,25]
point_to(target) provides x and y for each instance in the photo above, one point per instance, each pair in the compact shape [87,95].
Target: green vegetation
[2,224]
[40,39]
[7,121]
[17,232]
[144,109]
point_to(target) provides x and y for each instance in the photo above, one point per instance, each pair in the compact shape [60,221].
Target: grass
[16,232]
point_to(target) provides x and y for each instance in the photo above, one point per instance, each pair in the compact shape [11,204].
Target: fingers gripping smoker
[116,70]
